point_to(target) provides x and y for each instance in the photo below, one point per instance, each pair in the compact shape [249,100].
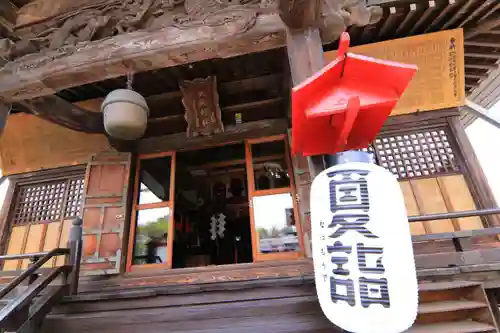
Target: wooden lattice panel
[75,197]
[49,201]
[417,154]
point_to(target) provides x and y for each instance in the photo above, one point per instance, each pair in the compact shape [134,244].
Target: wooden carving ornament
[201,101]
[331,17]
[47,27]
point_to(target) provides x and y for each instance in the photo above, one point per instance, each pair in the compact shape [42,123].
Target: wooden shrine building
[202,224]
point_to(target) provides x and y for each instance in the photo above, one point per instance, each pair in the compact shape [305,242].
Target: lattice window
[417,154]
[49,201]
[75,197]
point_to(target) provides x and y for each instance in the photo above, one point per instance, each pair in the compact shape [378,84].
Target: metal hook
[130,80]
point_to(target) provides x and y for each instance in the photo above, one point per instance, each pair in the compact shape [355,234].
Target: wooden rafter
[438,19]
[476,76]
[85,116]
[471,85]
[482,55]
[264,82]
[389,23]
[60,111]
[423,18]
[482,43]
[480,66]
[490,12]
[462,11]
[482,28]
[407,20]
[477,14]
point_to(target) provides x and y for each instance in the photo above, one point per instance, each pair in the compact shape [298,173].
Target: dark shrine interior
[211,189]
[212,219]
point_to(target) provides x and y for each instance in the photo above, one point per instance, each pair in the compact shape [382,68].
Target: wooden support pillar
[477,180]
[303,19]
[305,55]
[304,47]
[4,114]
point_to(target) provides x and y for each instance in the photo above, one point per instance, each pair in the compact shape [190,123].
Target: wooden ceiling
[256,82]
[479,18]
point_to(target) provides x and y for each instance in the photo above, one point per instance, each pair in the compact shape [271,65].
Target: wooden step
[435,286]
[465,326]
[448,306]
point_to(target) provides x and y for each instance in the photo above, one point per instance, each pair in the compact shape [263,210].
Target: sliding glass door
[274,217]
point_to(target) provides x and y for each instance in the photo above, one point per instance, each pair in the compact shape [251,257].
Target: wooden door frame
[130,267]
[257,256]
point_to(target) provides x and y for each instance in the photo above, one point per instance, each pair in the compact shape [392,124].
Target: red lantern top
[344,105]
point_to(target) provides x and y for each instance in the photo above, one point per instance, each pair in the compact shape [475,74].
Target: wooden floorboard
[267,310]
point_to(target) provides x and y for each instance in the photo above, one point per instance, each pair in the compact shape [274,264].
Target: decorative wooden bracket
[57,110]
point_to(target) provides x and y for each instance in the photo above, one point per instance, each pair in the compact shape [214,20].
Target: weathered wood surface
[44,74]
[62,112]
[83,45]
[105,213]
[232,134]
[271,309]
[305,56]
[219,278]
[273,305]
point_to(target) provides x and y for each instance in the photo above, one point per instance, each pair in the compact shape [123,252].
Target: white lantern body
[363,256]
[125,114]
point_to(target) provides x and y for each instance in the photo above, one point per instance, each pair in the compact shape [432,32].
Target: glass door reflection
[275,233]
[275,223]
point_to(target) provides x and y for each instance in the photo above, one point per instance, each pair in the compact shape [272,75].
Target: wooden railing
[25,312]
[456,236]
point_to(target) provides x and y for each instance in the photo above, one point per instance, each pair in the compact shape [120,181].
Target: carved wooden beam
[64,113]
[44,74]
[215,30]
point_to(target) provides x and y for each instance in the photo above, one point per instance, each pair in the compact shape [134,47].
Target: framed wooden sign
[439,82]
[201,100]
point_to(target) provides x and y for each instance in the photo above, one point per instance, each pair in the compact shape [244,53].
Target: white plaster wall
[485,139]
